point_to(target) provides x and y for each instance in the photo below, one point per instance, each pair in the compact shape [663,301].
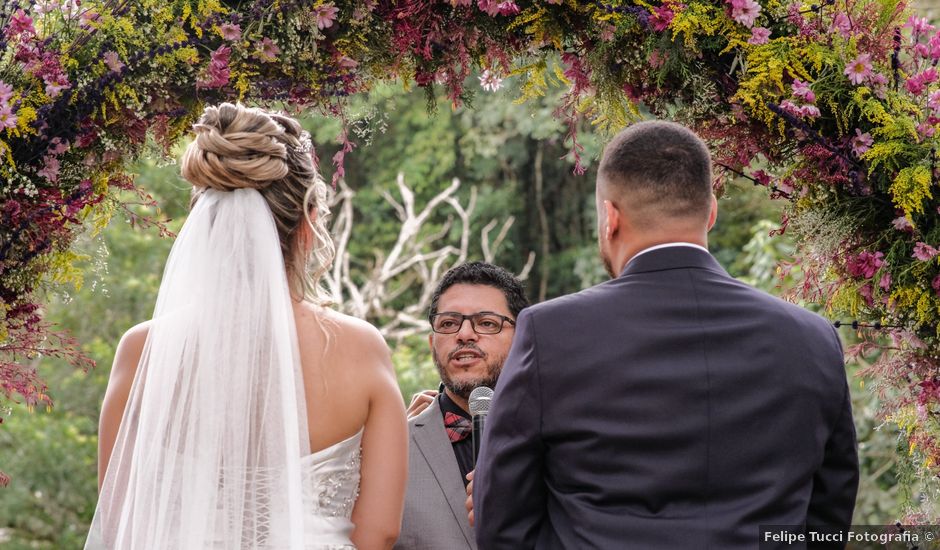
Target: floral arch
[832,105]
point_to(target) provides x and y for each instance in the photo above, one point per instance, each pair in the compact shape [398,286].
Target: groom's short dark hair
[483,273]
[661,168]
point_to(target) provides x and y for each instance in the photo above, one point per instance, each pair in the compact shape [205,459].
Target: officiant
[472,316]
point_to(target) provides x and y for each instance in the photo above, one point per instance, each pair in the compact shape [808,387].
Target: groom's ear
[713,213]
[612,220]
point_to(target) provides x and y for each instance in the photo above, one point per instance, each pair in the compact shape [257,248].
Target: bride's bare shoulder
[130,348]
[348,335]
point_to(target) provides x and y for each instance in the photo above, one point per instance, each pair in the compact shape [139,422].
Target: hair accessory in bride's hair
[305,145]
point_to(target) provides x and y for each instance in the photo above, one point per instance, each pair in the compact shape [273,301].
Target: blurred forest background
[514,171]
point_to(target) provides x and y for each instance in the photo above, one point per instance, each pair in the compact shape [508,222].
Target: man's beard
[464,387]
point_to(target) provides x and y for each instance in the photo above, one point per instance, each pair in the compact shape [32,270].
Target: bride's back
[202,434]
[341,358]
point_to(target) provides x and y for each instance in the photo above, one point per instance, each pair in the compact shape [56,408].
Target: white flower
[490,81]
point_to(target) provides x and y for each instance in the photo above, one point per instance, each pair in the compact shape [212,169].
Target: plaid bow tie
[458,428]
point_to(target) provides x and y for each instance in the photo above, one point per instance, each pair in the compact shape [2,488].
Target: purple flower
[859,69]
[113,62]
[759,35]
[924,252]
[325,15]
[745,12]
[803,91]
[861,142]
[230,31]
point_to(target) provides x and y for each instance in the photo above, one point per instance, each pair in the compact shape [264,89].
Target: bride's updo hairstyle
[238,147]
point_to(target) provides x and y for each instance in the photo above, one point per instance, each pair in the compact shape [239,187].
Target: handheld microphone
[480,399]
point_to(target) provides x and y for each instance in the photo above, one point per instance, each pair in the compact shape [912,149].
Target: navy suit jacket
[671,407]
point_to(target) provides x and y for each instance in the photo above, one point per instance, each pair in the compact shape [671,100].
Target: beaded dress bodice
[330,488]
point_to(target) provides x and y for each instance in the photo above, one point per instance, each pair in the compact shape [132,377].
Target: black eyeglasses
[484,322]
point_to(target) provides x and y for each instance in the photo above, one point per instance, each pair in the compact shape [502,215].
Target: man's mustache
[463,348]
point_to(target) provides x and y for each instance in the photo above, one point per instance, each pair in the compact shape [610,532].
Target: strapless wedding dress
[330,479]
[330,488]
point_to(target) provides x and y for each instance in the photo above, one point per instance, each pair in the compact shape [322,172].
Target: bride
[245,415]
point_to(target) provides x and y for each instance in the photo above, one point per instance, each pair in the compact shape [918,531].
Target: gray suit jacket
[434,516]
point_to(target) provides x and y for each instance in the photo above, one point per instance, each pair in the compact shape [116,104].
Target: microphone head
[480,399]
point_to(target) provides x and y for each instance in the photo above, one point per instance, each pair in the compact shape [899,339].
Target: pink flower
[50,169]
[346,62]
[490,81]
[6,92]
[507,8]
[934,44]
[661,18]
[865,264]
[861,142]
[918,83]
[58,146]
[859,69]
[901,223]
[761,177]
[113,62]
[55,85]
[924,252]
[230,31]
[843,25]
[218,71]
[810,111]
[936,285]
[934,101]
[866,292]
[759,35]
[885,282]
[657,59]
[607,32]
[745,12]
[491,7]
[267,50]
[803,91]
[7,118]
[20,23]
[919,25]
[325,15]
[926,130]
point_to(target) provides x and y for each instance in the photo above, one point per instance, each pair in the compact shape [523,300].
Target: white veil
[209,450]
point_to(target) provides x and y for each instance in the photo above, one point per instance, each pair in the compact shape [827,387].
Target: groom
[672,406]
